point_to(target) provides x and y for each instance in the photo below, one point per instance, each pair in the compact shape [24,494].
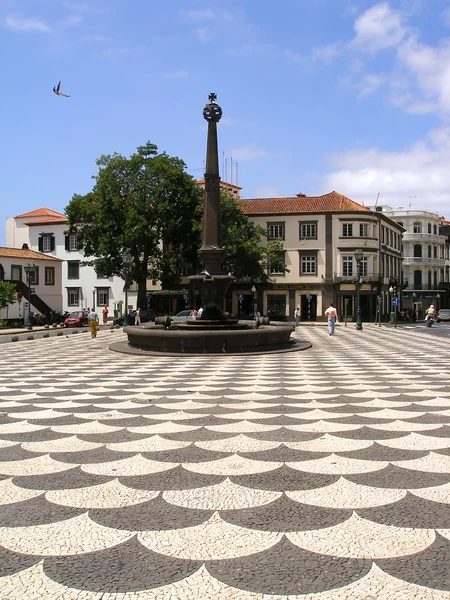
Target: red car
[79,318]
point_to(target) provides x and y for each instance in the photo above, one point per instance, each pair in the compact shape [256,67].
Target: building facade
[320,236]
[426,265]
[44,230]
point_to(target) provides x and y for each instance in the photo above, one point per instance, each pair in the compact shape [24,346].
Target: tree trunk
[142,292]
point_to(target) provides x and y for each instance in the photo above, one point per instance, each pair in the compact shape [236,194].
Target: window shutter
[66,241]
[40,244]
[52,243]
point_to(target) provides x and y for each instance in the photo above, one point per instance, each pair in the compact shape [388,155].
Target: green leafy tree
[8,294]
[140,221]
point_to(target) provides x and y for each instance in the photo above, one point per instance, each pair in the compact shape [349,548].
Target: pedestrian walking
[200,312]
[93,323]
[331,314]
[137,318]
[297,316]
[105,315]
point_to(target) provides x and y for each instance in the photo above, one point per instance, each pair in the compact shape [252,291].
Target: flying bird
[58,93]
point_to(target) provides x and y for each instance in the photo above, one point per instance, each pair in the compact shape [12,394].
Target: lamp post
[30,270]
[93,298]
[393,290]
[438,297]
[126,263]
[358,258]
[253,290]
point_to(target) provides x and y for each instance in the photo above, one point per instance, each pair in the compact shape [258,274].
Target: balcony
[421,260]
[424,237]
[372,278]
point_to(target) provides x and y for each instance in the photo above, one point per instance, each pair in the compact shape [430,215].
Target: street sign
[185,297]
[241,298]
[395,301]
[309,297]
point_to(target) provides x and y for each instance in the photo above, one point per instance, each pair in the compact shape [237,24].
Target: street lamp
[358,258]
[126,266]
[30,271]
[393,290]
[93,298]
[253,290]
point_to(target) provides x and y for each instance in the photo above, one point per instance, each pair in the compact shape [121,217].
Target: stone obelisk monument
[212,284]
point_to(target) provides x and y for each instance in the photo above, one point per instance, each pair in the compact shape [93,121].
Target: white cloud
[176,74]
[203,34]
[421,170]
[198,15]
[379,27]
[369,84]
[327,52]
[17,23]
[247,152]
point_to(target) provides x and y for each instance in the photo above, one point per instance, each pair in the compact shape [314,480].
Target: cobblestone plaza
[315,475]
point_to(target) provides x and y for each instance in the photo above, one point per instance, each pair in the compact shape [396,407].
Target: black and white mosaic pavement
[315,475]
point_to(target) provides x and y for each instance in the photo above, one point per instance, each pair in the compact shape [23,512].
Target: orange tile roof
[60,221]
[331,202]
[28,254]
[41,212]
[224,183]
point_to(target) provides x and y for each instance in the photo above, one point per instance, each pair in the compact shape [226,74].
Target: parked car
[79,318]
[182,317]
[443,315]
[146,317]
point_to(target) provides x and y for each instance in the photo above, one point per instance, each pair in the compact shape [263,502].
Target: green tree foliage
[8,294]
[139,212]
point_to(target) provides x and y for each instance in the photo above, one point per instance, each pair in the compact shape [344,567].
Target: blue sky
[351,95]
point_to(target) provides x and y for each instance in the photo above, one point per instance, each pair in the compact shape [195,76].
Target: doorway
[308,307]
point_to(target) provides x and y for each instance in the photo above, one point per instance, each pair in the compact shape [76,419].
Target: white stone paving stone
[252,397]
[417,441]
[214,539]
[330,443]
[438,493]
[154,443]
[432,463]
[11,493]
[20,427]
[185,405]
[404,426]
[232,466]
[243,427]
[39,465]
[239,443]
[109,415]
[248,415]
[66,444]
[106,495]
[88,428]
[8,444]
[322,426]
[78,535]
[345,494]
[164,427]
[338,465]
[360,538]
[48,413]
[180,415]
[223,496]
[128,467]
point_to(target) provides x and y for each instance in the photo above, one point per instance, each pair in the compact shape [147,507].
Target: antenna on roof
[410,199]
[237,176]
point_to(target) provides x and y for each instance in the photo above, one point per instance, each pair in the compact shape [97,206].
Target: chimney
[25,247]
[301,195]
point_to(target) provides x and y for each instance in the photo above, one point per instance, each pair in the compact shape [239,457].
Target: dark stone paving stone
[398,478]
[58,421]
[175,479]
[443,451]
[190,454]
[287,569]
[23,408]
[284,514]
[432,418]
[412,512]
[284,478]
[284,454]
[13,562]
[280,409]
[360,419]
[282,420]
[4,419]
[37,511]
[156,514]
[98,455]
[209,420]
[111,437]
[17,453]
[198,435]
[367,433]
[284,435]
[442,432]
[429,568]
[42,435]
[73,478]
[128,567]
[126,422]
[360,409]
[379,452]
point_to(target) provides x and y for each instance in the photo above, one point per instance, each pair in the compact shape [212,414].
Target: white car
[182,316]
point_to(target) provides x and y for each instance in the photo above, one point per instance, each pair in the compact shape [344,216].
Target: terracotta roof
[60,221]
[28,254]
[42,212]
[224,183]
[331,202]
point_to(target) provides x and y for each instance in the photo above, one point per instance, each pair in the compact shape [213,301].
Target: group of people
[196,313]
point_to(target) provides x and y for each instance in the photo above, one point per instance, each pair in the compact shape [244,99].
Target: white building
[45,283]
[425,268]
[44,230]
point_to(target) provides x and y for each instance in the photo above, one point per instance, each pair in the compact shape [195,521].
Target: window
[429,227]
[100,274]
[434,251]
[49,275]
[46,242]
[73,296]
[277,267]
[429,251]
[34,276]
[391,238]
[347,266]
[400,223]
[16,272]
[73,269]
[435,229]
[417,280]
[347,230]
[308,265]
[364,266]
[71,243]
[382,234]
[363,229]
[275,231]
[417,251]
[417,227]
[308,231]
[102,296]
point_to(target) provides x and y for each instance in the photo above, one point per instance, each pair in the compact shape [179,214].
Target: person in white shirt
[331,313]
[297,316]
[200,312]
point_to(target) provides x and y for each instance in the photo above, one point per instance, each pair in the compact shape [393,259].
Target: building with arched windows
[425,268]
